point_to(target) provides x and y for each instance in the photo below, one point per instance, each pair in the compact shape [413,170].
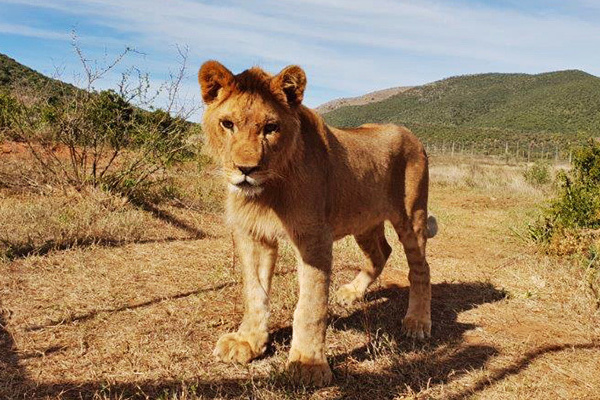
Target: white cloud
[24,30]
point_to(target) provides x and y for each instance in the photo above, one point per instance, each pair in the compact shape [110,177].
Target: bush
[577,206]
[538,174]
[9,108]
[111,139]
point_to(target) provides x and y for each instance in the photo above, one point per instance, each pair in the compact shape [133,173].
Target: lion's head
[251,122]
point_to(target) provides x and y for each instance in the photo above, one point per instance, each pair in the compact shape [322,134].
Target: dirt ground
[139,319]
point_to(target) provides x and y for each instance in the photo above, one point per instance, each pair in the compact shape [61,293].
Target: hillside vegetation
[14,75]
[556,106]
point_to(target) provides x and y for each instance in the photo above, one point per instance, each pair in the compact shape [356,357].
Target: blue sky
[347,47]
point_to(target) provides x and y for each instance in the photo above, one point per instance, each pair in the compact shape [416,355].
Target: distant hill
[371,97]
[562,105]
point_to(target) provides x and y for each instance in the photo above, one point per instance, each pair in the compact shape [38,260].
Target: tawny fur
[292,176]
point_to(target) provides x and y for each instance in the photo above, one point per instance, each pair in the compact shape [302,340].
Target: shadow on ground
[170,218]
[12,376]
[414,365]
[25,249]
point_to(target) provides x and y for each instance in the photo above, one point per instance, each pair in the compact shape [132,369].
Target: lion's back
[379,140]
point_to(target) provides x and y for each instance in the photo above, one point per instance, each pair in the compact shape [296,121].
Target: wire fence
[513,151]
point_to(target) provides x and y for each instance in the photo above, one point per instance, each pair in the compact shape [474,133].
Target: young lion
[291,176]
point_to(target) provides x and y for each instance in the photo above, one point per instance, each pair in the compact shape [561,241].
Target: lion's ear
[292,82]
[213,76]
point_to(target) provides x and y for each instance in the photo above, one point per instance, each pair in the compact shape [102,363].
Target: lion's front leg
[258,258]
[307,362]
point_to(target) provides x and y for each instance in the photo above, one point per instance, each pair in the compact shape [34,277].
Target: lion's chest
[255,219]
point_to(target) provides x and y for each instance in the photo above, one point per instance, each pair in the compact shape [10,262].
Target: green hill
[561,106]
[14,75]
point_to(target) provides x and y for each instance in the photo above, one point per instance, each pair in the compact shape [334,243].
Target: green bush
[9,108]
[538,174]
[577,206]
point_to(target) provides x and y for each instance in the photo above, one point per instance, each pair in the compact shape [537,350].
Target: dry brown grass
[485,173]
[139,318]
[38,216]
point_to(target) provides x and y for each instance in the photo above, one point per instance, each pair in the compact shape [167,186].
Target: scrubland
[105,298]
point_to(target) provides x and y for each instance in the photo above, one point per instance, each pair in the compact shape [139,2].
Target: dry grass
[488,174]
[37,216]
[32,224]
[139,318]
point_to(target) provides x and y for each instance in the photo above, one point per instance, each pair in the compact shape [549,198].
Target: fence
[527,152]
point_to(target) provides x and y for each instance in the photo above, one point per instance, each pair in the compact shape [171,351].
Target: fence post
[543,150]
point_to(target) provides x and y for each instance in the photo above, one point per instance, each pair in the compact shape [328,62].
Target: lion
[289,175]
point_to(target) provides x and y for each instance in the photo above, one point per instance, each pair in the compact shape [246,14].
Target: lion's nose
[247,170]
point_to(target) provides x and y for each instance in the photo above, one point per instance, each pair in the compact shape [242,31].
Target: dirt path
[141,320]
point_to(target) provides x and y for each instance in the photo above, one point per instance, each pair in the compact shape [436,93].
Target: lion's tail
[432,226]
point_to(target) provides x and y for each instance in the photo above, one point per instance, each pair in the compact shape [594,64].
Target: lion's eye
[270,128]
[227,124]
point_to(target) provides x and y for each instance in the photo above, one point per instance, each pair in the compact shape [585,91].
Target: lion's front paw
[241,347]
[308,370]
[310,374]
[348,294]
[416,327]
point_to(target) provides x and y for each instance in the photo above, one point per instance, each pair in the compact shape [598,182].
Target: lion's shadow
[382,310]
[415,364]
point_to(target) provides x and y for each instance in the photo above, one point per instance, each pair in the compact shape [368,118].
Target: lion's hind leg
[413,235]
[377,250]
